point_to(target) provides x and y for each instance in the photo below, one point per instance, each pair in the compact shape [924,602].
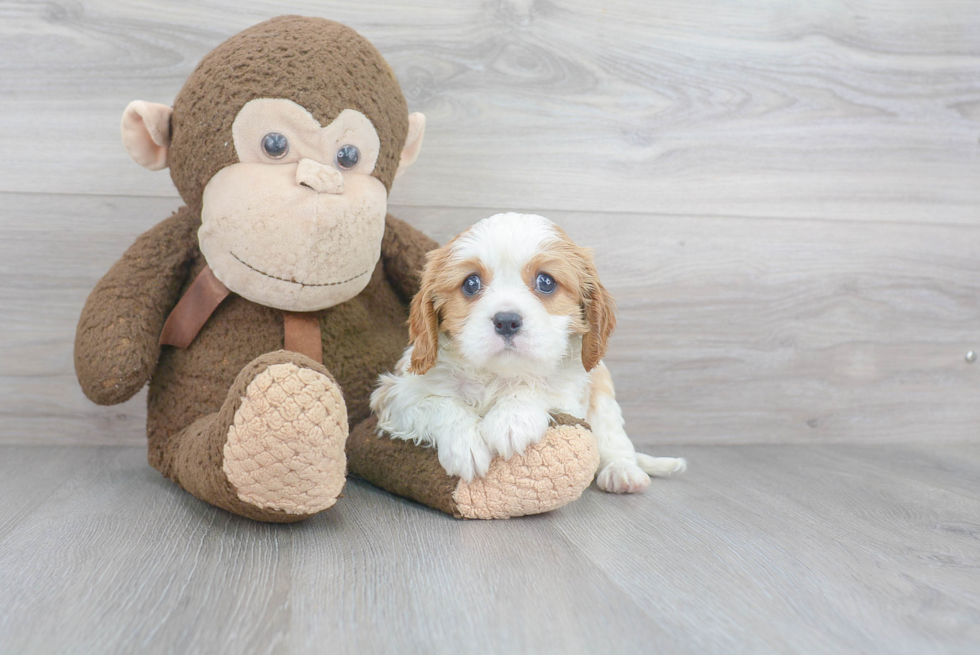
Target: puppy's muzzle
[507,324]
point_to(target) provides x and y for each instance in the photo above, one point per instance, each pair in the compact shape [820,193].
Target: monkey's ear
[413,143]
[146,133]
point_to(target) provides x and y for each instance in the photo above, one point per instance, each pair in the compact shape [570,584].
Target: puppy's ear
[423,323]
[600,312]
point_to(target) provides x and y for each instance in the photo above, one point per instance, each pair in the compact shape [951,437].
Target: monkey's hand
[116,343]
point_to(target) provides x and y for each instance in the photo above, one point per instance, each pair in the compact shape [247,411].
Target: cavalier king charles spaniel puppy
[510,324]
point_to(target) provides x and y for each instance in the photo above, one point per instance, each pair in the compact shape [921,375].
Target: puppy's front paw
[465,455]
[509,428]
[622,477]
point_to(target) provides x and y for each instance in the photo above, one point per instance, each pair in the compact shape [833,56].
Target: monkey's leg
[552,473]
[275,449]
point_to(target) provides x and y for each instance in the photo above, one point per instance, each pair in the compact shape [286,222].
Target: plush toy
[263,311]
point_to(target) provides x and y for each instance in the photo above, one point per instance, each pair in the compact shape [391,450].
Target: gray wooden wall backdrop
[784,195]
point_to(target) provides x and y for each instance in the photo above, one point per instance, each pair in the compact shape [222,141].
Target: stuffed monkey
[263,311]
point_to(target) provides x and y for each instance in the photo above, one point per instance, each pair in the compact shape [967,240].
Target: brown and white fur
[476,388]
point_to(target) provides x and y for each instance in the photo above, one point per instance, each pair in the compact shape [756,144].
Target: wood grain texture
[824,549]
[661,128]
[783,197]
[745,331]
[826,109]
[731,330]
[757,549]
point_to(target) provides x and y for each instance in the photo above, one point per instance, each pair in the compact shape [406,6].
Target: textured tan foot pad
[285,447]
[552,473]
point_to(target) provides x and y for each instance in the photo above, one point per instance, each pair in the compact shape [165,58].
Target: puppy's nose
[507,324]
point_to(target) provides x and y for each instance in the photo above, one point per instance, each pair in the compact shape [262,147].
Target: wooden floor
[783,197]
[758,549]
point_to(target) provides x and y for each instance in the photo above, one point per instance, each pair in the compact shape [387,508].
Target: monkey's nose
[320,178]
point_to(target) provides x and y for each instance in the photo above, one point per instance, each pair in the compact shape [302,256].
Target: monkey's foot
[275,450]
[285,447]
[549,474]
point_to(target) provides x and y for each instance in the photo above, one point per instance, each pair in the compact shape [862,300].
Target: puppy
[510,324]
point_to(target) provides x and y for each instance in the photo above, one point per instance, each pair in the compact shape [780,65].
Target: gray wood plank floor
[783,197]
[758,549]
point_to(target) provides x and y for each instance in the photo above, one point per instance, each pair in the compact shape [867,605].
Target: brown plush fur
[411,471]
[322,65]
[116,343]
[195,392]
[401,467]
[194,457]
[125,313]
[361,338]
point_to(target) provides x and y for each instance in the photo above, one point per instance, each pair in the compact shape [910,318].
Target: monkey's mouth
[302,284]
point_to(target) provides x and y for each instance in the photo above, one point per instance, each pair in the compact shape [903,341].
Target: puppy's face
[509,292]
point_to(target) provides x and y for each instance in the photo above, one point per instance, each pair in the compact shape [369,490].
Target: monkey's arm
[403,252]
[117,340]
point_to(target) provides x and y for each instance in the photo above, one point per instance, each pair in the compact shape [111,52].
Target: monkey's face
[297,223]
[286,138]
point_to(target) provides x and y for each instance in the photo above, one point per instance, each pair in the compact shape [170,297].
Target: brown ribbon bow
[302,329]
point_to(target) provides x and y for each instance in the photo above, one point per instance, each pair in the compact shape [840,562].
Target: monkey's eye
[545,283]
[347,156]
[275,145]
[471,285]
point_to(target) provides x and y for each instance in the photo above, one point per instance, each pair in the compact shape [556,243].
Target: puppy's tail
[661,467]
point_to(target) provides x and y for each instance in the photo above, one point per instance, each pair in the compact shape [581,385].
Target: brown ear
[423,325]
[146,133]
[600,311]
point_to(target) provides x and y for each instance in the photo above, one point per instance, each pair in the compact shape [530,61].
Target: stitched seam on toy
[302,284]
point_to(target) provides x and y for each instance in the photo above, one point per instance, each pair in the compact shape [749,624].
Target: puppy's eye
[471,285]
[348,156]
[275,145]
[545,283]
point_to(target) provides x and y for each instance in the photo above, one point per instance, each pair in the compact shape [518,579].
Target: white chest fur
[564,387]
